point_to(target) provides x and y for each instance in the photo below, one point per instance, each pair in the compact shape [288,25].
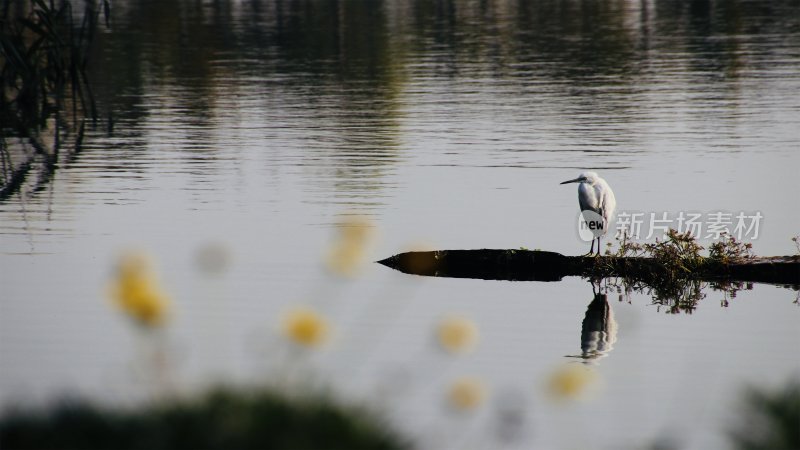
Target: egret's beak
[576,180]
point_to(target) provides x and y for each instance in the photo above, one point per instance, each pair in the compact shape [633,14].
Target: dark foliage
[222,419]
[773,420]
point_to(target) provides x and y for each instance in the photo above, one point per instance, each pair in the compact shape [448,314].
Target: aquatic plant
[671,270]
[678,252]
[728,250]
[44,58]
[44,61]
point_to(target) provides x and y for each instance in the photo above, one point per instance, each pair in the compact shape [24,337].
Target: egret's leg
[591,250]
[598,245]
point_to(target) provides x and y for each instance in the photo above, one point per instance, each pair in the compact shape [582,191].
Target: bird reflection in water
[598,331]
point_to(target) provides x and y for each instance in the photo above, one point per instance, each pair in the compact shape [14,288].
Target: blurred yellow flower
[572,382]
[466,394]
[305,326]
[350,249]
[137,292]
[457,334]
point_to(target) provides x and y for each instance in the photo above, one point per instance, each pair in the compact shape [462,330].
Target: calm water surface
[258,126]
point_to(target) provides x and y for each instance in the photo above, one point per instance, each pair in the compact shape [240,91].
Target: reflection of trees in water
[324,68]
[344,64]
[678,296]
[576,40]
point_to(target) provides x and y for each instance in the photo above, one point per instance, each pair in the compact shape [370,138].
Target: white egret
[595,195]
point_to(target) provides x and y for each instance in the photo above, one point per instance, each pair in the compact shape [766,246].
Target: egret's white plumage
[594,194]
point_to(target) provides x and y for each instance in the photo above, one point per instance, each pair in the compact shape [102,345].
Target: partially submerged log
[536,265]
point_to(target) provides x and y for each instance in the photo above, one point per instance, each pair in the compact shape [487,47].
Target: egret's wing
[607,202]
[587,198]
